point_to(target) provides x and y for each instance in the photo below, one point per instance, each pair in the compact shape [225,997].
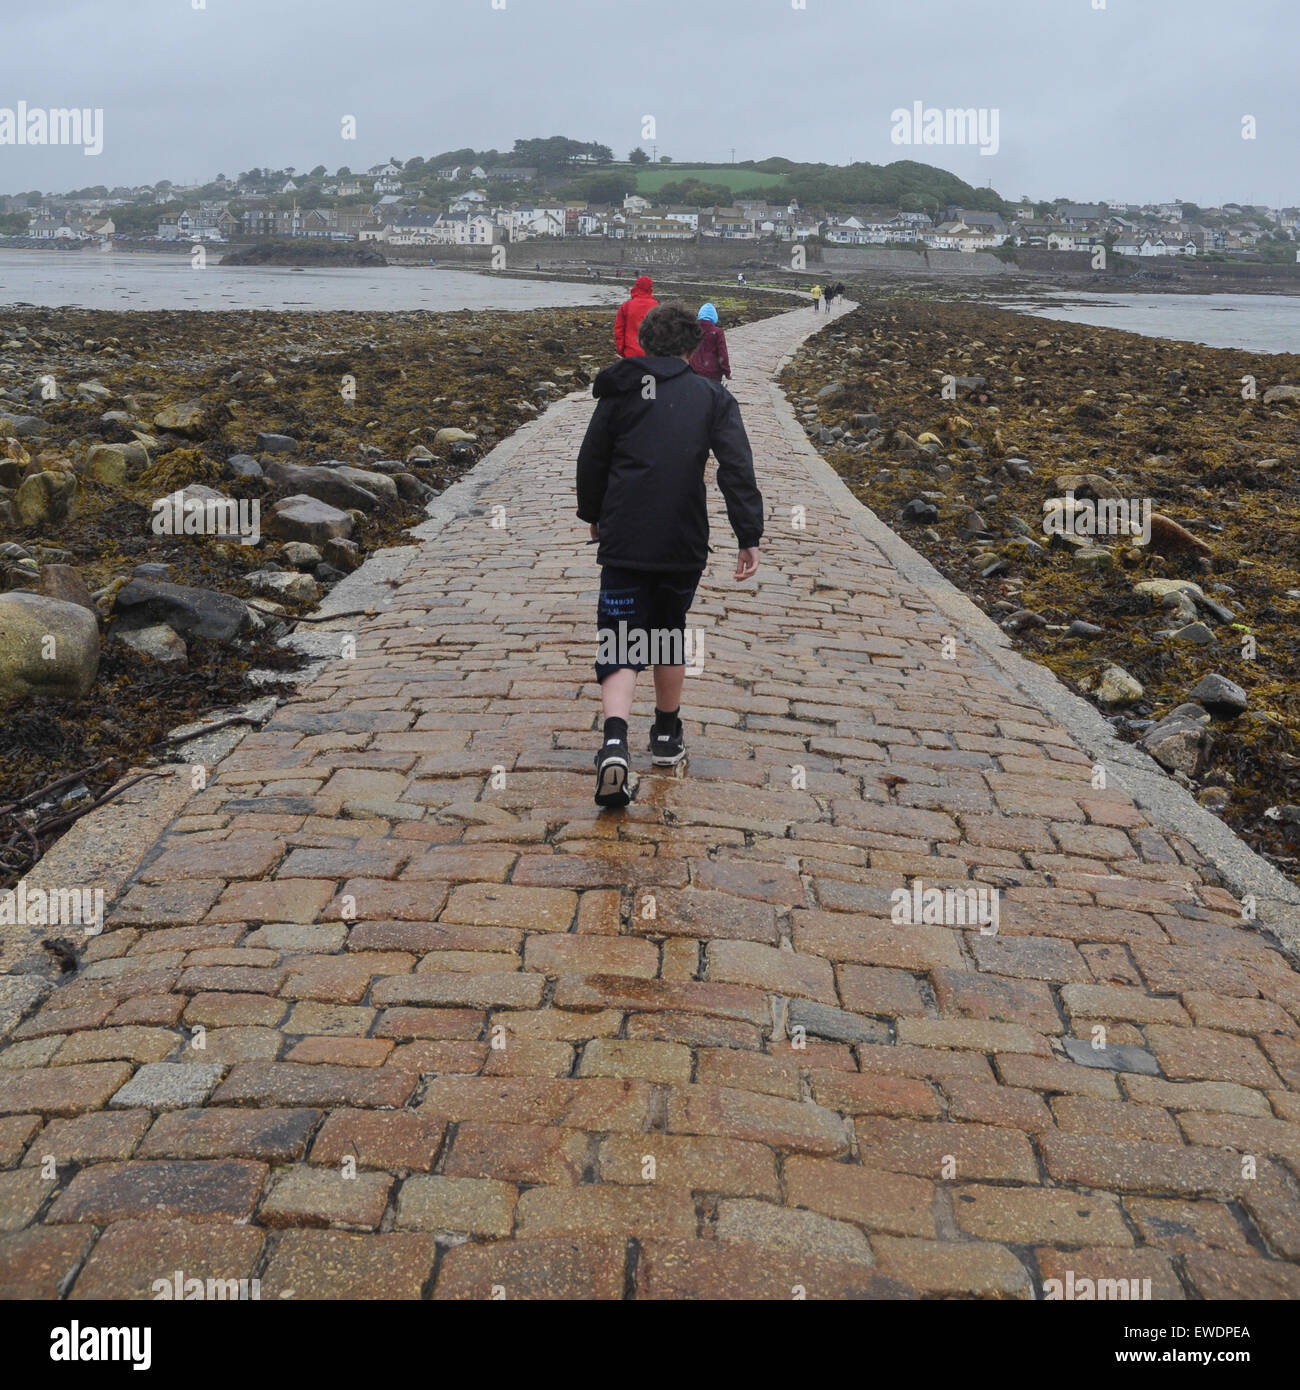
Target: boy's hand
[746,564]
[595,533]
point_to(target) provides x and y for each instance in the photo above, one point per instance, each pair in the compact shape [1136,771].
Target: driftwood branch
[321,618]
[51,787]
[59,822]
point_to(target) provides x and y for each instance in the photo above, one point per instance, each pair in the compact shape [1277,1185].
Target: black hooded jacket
[641,466]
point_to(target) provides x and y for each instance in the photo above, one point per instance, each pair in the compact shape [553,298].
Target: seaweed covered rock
[184,417]
[44,499]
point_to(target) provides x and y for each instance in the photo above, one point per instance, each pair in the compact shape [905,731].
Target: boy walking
[641,489]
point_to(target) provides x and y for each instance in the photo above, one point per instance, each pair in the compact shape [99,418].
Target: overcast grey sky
[1140,100]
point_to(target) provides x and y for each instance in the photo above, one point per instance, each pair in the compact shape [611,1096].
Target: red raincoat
[628,320]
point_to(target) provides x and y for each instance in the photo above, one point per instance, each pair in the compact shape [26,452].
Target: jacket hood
[627,375]
[708,312]
[643,285]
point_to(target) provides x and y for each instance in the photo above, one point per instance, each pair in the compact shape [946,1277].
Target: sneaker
[667,750]
[612,774]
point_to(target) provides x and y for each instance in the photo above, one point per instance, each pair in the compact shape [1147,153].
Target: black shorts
[641,618]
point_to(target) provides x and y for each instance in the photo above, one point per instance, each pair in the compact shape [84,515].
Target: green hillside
[652,180]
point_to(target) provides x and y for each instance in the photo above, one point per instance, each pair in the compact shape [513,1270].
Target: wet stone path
[392,1010]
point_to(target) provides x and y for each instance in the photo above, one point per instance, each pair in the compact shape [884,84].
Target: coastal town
[419,204]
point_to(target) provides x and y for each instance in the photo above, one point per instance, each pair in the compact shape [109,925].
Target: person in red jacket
[630,314]
[710,358]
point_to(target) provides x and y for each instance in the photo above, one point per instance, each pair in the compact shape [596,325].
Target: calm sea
[117,280]
[1255,322]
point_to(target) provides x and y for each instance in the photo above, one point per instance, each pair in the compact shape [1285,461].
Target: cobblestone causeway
[393,1011]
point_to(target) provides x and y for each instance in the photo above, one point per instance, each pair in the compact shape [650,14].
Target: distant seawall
[607,255]
[923,262]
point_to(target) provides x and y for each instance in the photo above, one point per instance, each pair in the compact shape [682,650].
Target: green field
[652,180]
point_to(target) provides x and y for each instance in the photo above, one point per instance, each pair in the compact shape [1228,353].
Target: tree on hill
[558,152]
[638,156]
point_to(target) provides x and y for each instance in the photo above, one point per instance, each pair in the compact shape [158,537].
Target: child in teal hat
[710,358]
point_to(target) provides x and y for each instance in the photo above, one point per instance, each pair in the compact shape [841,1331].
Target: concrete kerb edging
[1243,872]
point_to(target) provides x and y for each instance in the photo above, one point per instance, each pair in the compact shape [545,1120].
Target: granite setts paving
[393,1011]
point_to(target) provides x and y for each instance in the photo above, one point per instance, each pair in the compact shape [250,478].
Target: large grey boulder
[384,487]
[191,612]
[332,486]
[48,649]
[20,426]
[303,518]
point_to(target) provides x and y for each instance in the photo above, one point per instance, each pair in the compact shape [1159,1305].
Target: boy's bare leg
[668,687]
[616,693]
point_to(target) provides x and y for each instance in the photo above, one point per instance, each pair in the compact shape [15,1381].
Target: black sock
[666,721]
[615,728]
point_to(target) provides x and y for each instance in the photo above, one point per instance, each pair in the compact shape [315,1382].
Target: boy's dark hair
[669,331]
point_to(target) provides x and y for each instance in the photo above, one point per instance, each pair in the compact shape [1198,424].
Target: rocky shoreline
[136,449]
[965,428]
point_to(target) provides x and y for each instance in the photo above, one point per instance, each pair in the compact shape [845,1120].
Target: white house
[470,202]
[175,228]
[957,236]
[688,217]
[450,172]
[645,228]
[634,203]
[465,229]
[524,223]
[411,229]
